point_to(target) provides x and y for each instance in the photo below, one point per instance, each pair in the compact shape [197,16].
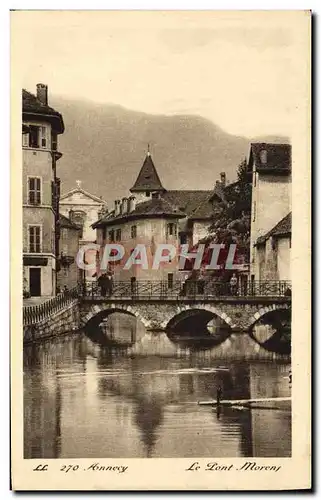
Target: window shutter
[25,140]
[43,137]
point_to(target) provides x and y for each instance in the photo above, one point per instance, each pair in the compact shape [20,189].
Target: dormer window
[263,156]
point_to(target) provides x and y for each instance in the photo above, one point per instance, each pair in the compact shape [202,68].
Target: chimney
[123,207]
[102,211]
[131,203]
[42,93]
[223,178]
[263,156]
[117,207]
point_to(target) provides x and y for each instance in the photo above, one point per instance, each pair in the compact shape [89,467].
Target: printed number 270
[67,468]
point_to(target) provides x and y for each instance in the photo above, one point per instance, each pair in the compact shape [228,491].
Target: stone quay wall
[61,322]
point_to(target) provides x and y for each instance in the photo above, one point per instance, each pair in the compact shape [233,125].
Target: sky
[243,71]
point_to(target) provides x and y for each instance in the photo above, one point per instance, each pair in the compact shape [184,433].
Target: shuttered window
[34,190]
[34,239]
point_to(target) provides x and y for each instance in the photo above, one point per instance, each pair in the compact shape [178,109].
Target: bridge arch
[266,310]
[105,310]
[185,308]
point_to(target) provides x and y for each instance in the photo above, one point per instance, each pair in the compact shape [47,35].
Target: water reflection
[81,401]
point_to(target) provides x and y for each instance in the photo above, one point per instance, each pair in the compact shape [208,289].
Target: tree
[231,222]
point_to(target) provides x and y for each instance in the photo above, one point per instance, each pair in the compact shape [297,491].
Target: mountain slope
[104,146]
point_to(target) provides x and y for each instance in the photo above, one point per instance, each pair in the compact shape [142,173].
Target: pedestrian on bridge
[233,284]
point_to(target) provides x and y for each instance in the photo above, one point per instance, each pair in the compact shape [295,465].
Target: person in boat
[218,395]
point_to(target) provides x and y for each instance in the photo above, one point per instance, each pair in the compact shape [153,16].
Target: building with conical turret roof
[148,181]
[154,215]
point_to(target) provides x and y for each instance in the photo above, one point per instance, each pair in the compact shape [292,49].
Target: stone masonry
[63,321]
[239,315]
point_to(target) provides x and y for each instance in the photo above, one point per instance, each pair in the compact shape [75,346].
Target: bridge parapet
[157,309]
[188,290]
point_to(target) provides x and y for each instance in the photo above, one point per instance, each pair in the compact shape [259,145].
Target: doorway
[35,281]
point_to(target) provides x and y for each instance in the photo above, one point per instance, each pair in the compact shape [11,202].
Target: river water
[81,400]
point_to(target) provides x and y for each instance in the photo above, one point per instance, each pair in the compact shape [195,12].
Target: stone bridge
[238,313]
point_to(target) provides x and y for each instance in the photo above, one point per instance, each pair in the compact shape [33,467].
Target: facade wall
[79,201]
[69,275]
[150,232]
[273,260]
[46,219]
[271,202]
[284,259]
[48,277]
[37,162]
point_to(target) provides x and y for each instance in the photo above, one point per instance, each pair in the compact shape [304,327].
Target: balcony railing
[184,290]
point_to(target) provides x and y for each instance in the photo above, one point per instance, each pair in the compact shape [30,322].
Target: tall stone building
[153,215]
[270,168]
[41,189]
[83,209]
[69,274]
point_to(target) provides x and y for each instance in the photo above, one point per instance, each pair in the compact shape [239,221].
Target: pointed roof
[147,179]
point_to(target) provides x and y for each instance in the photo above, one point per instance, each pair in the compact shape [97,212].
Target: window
[133,231]
[147,194]
[111,235]
[34,190]
[34,239]
[25,139]
[33,136]
[171,229]
[183,239]
[118,234]
[43,136]
[64,233]
[170,280]
[37,137]
[54,141]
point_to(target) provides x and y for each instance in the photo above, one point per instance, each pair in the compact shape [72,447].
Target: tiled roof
[282,228]
[65,222]
[32,105]
[270,157]
[190,202]
[147,179]
[154,207]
